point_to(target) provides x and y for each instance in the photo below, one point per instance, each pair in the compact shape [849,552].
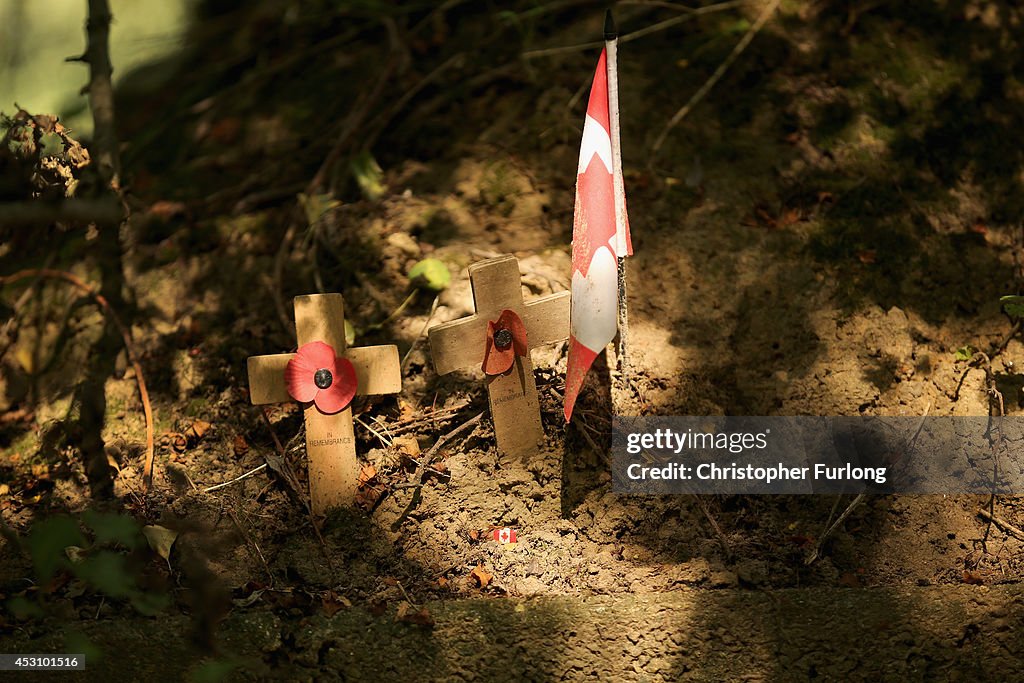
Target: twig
[8,333]
[722,540]
[426,461]
[126,338]
[250,541]
[835,525]
[358,113]
[429,418]
[408,354]
[765,15]
[635,35]
[383,439]
[407,598]
[385,120]
[290,480]
[428,458]
[1001,346]
[236,479]
[394,314]
[1001,523]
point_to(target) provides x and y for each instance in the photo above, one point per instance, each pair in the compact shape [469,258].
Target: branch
[101,92]
[766,13]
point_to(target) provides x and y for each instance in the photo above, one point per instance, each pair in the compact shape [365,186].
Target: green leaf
[47,541]
[316,206]
[107,572]
[76,641]
[369,175]
[1013,305]
[22,608]
[110,527]
[432,274]
[350,333]
[965,353]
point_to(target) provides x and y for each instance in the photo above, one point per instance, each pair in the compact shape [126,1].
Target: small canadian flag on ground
[505,535]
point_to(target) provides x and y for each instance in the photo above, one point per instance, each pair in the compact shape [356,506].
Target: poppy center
[503,339]
[323,378]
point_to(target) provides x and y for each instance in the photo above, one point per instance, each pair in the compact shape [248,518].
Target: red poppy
[316,374]
[506,339]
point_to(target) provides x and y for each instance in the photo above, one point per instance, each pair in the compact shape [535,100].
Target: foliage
[965,352]
[109,564]
[1013,305]
[315,206]
[38,158]
[432,274]
[369,175]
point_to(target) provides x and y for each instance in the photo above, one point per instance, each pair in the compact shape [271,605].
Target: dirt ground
[837,218]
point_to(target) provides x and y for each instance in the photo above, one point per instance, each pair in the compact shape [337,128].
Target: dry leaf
[240,445]
[165,209]
[249,600]
[867,256]
[849,580]
[366,498]
[973,578]
[160,540]
[407,445]
[75,554]
[406,411]
[367,474]
[4,489]
[789,217]
[334,603]
[409,614]
[177,442]
[198,429]
[480,575]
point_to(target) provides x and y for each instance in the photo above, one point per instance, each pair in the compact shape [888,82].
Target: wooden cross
[461,343]
[330,439]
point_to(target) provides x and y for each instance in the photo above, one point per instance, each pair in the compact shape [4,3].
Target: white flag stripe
[595,141]
[594,301]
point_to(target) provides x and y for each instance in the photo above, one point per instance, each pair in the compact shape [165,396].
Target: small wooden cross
[330,439]
[461,343]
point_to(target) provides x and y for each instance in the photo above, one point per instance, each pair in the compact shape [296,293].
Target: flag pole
[611,39]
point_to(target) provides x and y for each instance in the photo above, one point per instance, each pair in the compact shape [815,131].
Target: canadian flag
[595,244]
[505,535]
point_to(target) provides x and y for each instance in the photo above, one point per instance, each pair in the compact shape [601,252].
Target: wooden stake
[461,343]
[330,439]
[621,243]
